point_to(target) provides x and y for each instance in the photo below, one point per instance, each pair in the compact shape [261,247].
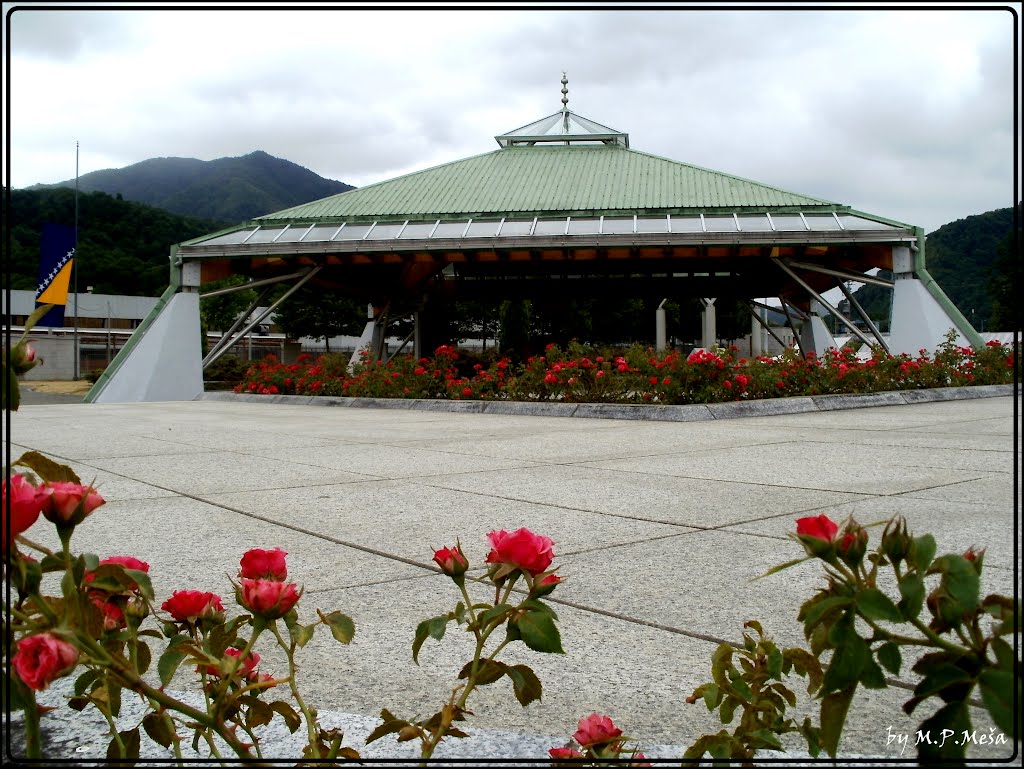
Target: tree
[1003,284]
[319,314]
[219,312]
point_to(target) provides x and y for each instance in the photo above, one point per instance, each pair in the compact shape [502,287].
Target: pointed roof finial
[565,102]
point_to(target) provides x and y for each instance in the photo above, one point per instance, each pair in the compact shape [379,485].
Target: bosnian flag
[57,256]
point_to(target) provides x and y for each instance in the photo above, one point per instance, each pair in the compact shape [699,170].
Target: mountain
[226,189]
[964,258]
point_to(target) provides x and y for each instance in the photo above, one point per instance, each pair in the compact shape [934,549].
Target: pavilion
[564,207]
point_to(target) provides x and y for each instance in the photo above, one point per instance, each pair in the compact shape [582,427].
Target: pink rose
[451,560]
[264,564]
[268,598]
[522,548]
[43,658]
[26,503]
[127,561]
[818,527]
[596,730]
[70,503]
[564,754]
[192,605]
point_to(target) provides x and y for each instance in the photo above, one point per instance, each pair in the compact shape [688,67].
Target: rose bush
[637,375]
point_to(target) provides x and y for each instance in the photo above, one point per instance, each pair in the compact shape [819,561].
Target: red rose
[113,616]
[26,503]
[264,564]
[246,669]
[562,754]
[267,598]
[817,527]
[192,605]
[522,548]
[596,730]
[69,503]
[43,658]
[451,560]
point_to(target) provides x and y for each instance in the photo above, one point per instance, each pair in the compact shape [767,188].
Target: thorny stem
[33,744]
[307,714]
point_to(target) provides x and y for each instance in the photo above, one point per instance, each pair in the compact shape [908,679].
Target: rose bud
[817,535]
[70,503]
[853,544]
[896,542]
[194,605]
[264,564]
[976,557]
[544,585]
[22,358]
[267,598]
[452,561]
[43,658]
[127,561]
[113,616]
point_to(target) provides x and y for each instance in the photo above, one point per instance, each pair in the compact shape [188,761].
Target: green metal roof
[552,179]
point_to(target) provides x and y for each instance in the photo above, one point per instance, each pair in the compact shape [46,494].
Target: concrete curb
[642,412]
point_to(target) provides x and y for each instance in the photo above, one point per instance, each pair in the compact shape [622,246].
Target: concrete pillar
[660,338]
[708,324]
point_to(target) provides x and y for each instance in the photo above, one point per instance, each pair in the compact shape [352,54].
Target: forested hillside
[122,246]
[226,189]
[972,260]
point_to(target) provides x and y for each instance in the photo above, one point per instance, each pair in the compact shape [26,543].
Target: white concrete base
[166,364]
[918,320]
[816,337]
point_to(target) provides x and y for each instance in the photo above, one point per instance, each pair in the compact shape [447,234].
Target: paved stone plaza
[659,528]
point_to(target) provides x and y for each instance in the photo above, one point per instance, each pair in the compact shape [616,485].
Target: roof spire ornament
[565,102]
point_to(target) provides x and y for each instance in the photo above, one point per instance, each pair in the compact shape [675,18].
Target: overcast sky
[904,114]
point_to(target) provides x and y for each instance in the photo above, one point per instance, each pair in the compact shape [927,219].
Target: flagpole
[74,268]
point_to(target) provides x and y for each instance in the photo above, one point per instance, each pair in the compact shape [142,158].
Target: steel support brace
[792,327]
[864,316]
[824,303]
[764,324]
[227,342]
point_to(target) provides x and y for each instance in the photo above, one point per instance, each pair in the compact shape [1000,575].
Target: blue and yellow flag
[57,256]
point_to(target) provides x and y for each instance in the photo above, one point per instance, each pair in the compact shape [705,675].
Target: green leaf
[764,738]
[823,609]
[21,695]
[939,678]
[488,671]
[781,566]
[83,681]
[292,719]
[168,663]
[10,395]
[301,634]
[1005,658]
[848,659]
[160,728]
[131,740]
[258,712]
[805,664]
[717,745]
[727,709]
[938,746]
[46,468]
[889,656]
[143,656]
[962,581]
[872,676]
[141,579]
[833,716]
[390,725]
[875,605]
[911,587]
[712,696]
[433,628]
[495,612]
[341,625]
[774,662]
[721,663]
[539,632]
[922,552]
[996,687]
[525,684]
